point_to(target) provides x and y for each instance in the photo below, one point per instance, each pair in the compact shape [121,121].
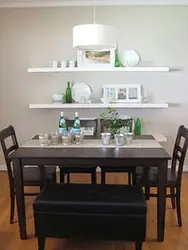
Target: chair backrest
[179,152]
[86,123]
[9,144]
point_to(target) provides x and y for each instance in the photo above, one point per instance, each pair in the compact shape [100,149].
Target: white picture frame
[121,93]
[97,58]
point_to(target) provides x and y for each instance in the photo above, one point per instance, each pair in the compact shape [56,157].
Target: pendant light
[94,36]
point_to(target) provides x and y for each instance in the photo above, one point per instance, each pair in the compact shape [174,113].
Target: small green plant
[113,122]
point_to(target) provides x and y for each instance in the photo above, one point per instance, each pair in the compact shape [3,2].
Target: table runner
[97,143]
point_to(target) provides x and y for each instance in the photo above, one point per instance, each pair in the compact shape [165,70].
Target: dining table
[144,151]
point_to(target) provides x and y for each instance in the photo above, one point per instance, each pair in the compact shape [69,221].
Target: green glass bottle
[117,61]
[138,127]
[62,124]
[76,125]
[68,93]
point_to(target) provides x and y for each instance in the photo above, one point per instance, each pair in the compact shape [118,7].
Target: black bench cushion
[88,198]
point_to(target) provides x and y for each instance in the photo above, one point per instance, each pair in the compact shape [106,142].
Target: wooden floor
[175,239]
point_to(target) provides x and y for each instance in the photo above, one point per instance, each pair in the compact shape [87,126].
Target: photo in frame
[97,58]
[122,93]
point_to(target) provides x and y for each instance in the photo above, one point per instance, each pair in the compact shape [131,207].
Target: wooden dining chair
[67,170]
[32,175]
[174,173]
[107,169]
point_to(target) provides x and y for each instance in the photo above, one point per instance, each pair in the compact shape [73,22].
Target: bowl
[57,98]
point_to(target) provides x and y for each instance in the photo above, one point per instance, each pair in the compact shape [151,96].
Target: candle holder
[44,140]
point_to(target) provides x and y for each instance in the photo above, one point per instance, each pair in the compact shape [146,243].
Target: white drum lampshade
[94,37]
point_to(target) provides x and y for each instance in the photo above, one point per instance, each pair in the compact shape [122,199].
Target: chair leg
[134,177]
[138,245]
[93,176]
[41,243]
[147,193]
[12,206]
[62,175]
[54,178]
[178,206]
[41,187]
[173,199]
[129,178]
[103,175]
[68,178]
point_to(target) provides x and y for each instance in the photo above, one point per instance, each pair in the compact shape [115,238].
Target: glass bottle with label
[76,126]
[68,93]
[62,124]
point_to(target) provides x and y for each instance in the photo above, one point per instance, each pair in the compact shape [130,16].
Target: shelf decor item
[117,61]
[138,127]
[81,93]
[97,58]
[57,98]
[131,58]
[94,36]
[113,93]
[68,93]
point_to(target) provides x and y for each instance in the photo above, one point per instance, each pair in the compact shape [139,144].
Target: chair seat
[151,180]
[31,174]
[93,199]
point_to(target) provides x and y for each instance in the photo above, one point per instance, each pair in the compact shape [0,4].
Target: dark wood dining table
[98,156]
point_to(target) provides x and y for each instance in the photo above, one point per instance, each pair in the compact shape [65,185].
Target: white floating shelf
[56,3]
[121,69]
[98,105]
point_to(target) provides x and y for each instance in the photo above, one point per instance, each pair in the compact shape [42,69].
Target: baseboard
[185,168]
[4,168]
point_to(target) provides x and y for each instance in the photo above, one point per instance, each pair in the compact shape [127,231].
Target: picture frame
[96,58]
[122,93]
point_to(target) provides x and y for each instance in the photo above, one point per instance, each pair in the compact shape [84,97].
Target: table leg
[19,189]
[161,200]
[42,176]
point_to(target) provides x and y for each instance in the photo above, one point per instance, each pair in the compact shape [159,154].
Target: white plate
[130,58]
[81,93]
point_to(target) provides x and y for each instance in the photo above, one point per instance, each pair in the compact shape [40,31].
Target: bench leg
[138,245]
[41,243]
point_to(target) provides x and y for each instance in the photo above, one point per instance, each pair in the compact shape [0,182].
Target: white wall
[32,37]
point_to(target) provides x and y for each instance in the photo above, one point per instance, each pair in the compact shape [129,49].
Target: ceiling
[53,3]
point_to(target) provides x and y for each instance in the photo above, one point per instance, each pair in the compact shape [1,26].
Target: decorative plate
[81,93]
[130,58]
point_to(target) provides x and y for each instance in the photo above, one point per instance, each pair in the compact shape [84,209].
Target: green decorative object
[113,123]
[138,127]
[117,61]
[68,93]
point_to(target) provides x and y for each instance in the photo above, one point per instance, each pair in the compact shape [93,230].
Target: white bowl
[57,98]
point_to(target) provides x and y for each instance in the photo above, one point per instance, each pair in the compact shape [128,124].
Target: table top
[92,149]
[91,153]
[157,137]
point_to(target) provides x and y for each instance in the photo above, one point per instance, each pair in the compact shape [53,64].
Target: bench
[90,211]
